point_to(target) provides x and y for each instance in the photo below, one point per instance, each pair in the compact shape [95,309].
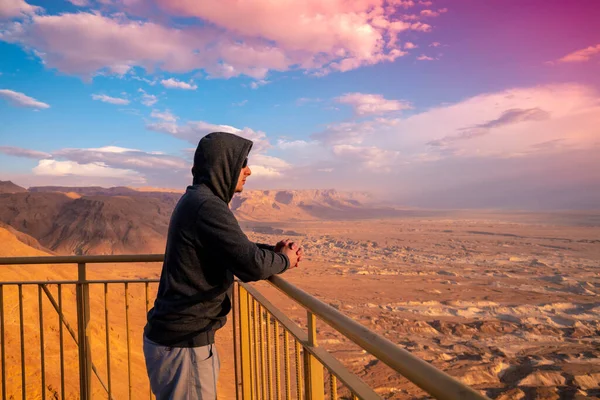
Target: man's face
[246,172]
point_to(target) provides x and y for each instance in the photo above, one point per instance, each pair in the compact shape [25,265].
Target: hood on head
[218,162]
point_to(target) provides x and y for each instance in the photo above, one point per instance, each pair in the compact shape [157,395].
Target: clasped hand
[291,250]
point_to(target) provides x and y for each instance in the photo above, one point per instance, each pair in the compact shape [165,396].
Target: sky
[444,104]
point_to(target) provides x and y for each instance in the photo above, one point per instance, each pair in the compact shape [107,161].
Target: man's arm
[222,236]
[266,246]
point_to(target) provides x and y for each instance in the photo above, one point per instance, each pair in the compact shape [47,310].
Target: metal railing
[274,357]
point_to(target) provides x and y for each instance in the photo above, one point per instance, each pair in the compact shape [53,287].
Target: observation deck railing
[274,357]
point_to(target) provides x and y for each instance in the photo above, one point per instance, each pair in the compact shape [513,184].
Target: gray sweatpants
[182,373]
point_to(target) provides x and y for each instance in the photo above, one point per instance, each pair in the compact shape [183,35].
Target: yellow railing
[274,357]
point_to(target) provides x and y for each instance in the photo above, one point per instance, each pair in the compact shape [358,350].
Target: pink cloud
[175,84]
[581,55]
[233,38]
[17,8]
[423,57]
[371,104]
[429,13]
[410,45]
[111,100]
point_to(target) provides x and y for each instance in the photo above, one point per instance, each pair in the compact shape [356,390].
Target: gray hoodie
[205,249]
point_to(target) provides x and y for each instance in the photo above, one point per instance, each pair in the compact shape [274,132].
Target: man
[205,249]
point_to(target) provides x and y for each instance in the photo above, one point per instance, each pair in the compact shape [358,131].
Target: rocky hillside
[90,224]
[9,187]
[96,220]
[303,205]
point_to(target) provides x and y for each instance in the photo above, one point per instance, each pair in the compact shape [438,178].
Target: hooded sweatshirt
[205,249]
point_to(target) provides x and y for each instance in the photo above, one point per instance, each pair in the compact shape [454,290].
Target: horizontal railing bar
[96,281]
[83,259]
[421,373]
[353,382]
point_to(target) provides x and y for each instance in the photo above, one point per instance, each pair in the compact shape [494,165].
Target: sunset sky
[464,103]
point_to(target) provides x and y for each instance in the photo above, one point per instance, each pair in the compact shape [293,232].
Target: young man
[205,249]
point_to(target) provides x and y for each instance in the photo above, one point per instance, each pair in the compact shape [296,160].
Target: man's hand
[291,250]
[281,244]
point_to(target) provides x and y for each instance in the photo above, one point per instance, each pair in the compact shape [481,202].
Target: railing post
[244,317]
[83,320]
[313,376]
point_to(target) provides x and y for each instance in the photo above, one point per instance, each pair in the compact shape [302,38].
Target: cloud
[240,103]
[435,44]
[294,144]
[56,168]
[148,99]
[230,39]
[267,166]
[27,153]
[373,158]
[423,57]
[122,158]
[193,131]
[17,8]
[19,99]
[508,117]
[175,84]
[429,13]
[259,83]
[165,115]
[371,104]
[581,55]
[410,45]
[80,3]
[307,100]
[111,100]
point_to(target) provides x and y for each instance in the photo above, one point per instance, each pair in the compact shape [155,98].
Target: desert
[506,302]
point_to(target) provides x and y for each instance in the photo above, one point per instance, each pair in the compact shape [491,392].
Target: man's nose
[248,172]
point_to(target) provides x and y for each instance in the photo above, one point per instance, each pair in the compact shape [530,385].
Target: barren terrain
[507,302]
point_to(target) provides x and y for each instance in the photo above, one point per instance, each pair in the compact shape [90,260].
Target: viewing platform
[81,338]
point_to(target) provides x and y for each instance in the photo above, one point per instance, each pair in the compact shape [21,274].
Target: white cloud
[258,83]
[267,166]
[122,158]
[164,115]
[79,3]
[19,99]
[27,153]
[423,57]
[92,170]
[175,84]
[410,45]
[295,144]
[240,103]
[371,104]
[111,100]
[17,8]
[581,55]
[193,131]
[148,99]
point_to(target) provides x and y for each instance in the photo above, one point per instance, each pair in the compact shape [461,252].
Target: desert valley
[507,302]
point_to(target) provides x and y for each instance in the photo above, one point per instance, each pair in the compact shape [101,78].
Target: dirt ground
[507,303]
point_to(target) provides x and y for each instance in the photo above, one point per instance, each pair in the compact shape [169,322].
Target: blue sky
[424,102]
